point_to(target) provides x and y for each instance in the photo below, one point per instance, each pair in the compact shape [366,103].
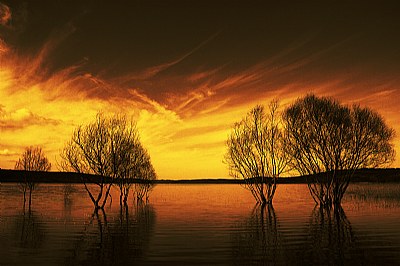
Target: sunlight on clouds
[32,114]
[45,112]
[185,139]
[4,152]
[188,148]
[185,132]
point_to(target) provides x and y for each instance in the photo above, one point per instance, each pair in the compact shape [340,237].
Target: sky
[186,70]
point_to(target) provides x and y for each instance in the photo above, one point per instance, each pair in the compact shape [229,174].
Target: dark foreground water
[200,225]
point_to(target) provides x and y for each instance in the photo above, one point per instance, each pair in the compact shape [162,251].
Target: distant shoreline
[361,175]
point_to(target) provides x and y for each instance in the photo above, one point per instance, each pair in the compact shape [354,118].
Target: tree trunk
[30,198]
[106,195]
[24,198]
[126,199]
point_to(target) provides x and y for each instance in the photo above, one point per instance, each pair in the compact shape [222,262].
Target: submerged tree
[32,160]
[109,148]
[147,175]
[256,151]
[329,141]
[138,172]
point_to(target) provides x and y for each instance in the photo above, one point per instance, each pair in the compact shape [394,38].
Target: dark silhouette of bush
[323,136]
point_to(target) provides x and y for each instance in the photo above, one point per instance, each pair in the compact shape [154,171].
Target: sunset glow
[185,86]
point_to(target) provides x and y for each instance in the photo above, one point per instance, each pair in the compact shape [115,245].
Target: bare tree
[33,160]
[87,153]
[256,153]
[108,148]
[145,176]
[138,172]
[329,141]
[125,149]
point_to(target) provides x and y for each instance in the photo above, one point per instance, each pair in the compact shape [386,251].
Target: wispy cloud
[5,14]
[151,72]
[184,118]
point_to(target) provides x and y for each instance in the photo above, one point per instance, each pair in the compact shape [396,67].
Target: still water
[200,225]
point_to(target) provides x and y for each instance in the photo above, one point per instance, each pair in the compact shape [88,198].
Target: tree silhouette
[137,168]
[329,141]
[109,148]
[256,153]
[33,160]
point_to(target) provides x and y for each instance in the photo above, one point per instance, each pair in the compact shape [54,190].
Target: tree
[139,171]
[109,148]
[329,141]
[125,152]
[256,153]
[33,159]
[146,174]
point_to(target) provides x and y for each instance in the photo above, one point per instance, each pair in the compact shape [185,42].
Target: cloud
[5,14]
[7,152]
[21,118]
[153,71]
[5,17]
[183,118]
[203,75]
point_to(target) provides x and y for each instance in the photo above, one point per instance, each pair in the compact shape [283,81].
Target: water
[199,225]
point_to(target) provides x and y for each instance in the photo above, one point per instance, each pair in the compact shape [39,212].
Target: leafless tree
[108,148]
[329,141]
[125,151]
[32,160]
[256,153]
[146,176]
[138,172]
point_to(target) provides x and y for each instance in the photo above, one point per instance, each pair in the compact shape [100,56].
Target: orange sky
[186,99]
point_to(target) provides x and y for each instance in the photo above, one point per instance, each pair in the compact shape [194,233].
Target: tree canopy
[323,136]
[33,159]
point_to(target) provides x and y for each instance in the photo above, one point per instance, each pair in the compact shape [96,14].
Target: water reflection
[331,239]
[68,191]
[123,238]
[28,230]
[258,239]
[328,240]
[61,229]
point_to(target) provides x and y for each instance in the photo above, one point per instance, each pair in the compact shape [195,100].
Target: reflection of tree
[330,238]
[68,190]
[29,230]
[118,240]
[129,239]
[258,240]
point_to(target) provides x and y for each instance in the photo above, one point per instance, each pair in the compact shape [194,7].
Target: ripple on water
[196,225]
